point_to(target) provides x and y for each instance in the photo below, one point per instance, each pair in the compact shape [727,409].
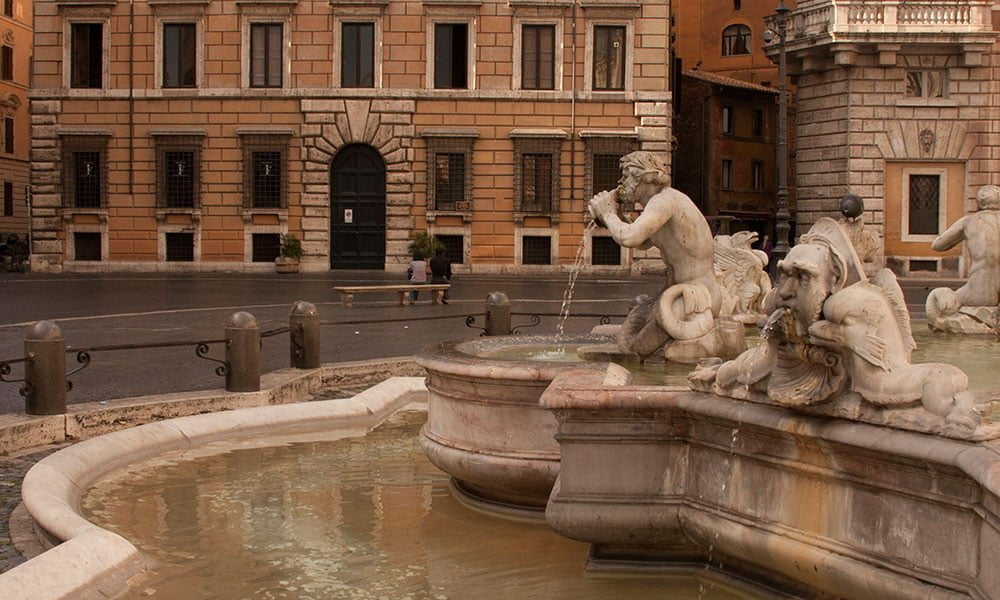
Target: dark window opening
[265,55]
[727,174]
[605,250]
[924,265]
[86,55]
[536,250]
[266,179]
[609,57]
[737,5]
[735,40]
[451,55]
[757,175]
[8,8]
[757,123]
[179,179]
[87,246]
[449,180]
[727,119]
[266,246]
[357,56]
[180,247]
[538,56]
[8,135]
[87,179]
[179,55]
[454,247]
[6,63]
[536,190]
[925,204]
[8,199]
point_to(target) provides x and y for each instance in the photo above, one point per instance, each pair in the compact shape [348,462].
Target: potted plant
[288,254]
[425,244]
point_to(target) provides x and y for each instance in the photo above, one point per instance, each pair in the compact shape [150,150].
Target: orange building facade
[15,65]
[196,140]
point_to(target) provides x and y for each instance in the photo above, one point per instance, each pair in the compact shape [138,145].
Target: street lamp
[781,215]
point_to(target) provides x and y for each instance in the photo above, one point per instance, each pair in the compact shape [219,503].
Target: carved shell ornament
[8,37]
[9,103]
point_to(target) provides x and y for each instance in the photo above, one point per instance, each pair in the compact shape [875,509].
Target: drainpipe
[131,95]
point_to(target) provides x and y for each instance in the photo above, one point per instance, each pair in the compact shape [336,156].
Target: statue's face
[805,280]
[627,186]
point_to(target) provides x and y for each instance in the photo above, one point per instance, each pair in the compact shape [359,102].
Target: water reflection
[363,517]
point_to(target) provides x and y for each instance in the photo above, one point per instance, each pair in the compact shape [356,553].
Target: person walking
[441,271]
[417,273]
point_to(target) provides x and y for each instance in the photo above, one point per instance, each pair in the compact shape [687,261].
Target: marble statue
[838,343]
[866,240]
[682,319]
[742,275]
[974,307]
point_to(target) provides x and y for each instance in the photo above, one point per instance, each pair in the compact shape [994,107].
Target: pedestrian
[417,273]
[441,271]
[766,245]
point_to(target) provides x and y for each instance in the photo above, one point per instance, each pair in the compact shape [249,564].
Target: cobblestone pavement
[12,470]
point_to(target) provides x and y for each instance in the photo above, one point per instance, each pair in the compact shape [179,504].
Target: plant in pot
[288,254]
[425,244]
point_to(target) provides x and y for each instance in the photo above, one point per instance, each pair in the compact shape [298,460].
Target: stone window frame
[84,141]
[452,140]
[537,142]
[85,14]
[183,141]
[904,225]
[264,141]
[198,20]
[161,244]
[624,256]
[521,232]
[262,17]
[464,230]
[555,20]
[357,14]
[605,142]
[588,67]
[439,12]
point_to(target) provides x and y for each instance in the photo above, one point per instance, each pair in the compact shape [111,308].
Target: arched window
[735,40]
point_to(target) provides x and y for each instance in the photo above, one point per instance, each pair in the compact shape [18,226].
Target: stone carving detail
[975,307]
[683,319]
[927,139]
[839,344]
[866,240]
[742,275]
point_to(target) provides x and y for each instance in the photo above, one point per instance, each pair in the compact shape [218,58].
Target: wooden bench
[437,291]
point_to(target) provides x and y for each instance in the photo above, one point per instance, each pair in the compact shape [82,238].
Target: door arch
[357,209]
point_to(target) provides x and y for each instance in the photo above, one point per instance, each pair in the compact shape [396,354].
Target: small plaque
[348,215]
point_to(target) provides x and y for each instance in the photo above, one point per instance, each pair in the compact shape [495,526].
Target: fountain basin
[485,426]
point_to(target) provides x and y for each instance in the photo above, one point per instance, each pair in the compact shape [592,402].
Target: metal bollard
[242,353]
[497,314]
[303,333]
[45,370]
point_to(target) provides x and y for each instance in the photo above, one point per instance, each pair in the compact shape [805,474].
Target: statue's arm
[951,237]
[638,233]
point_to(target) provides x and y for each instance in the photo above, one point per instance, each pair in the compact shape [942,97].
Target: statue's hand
[603,204]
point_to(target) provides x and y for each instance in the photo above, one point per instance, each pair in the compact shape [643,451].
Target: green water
[355,518]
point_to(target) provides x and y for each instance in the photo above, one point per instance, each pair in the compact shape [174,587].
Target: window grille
[266,63]
[85,172]
[86,246]
[605,250]
[536,175]
[603,158]
[451,55]
[178,171]
[538,57]
[357,56]
[925,204]
[267,179]
[266,246]
[180,247]
[454,247]
[8,199]
[449,173]
[265,174]
[609,57]
[179,55]
[735,40]
[86,55]
[536,250]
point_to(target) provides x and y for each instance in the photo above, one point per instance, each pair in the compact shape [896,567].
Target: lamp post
[781,215]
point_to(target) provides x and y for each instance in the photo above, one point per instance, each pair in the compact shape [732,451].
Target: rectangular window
[87,179]
[86,55]
[179,55]
[451,55]
[8,135]
[6,63]
[536,250]
[538,57]
[607,172]
[8,8]
[8,199]
[609,57]
[536,191]
[925,205]
[357,55]
[265,54]
[454,247]
[605,250]
[757,123]
[727,120]
[926,84]
[266,246]
[727,174]
[449,179]
[86,246]
[180,247]
[179,179]
[266,178]
[757,175]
